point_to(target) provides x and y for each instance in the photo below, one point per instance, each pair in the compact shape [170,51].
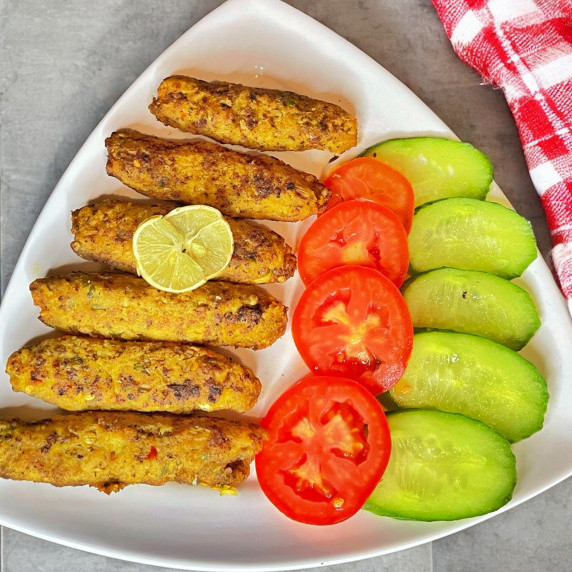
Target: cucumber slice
[437,168]
[443,466]
[474,376]
[471,234]
[472,302]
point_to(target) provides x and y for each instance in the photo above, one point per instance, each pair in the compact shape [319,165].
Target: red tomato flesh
[355,232]
[368,178]
[353,322]
[327,448]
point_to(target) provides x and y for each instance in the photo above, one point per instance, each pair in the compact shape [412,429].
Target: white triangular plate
[268,44]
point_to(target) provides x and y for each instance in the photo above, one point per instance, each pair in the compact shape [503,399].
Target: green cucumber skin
[472,302]
[462,373]
[436,167]
[443,466]
[471,235]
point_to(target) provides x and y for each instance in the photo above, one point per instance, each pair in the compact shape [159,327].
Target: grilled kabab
[123,306]
[103,232]
[110,450]
[257,118]
[200,172]
[78,373]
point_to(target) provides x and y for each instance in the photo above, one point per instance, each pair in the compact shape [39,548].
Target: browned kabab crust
[199,172]
[103,231]
[110,450]
[257,118]
[123,306]
[78,373]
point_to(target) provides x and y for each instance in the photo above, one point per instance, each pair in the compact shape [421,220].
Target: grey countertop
[63,65]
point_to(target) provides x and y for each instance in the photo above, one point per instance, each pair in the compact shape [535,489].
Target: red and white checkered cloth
[525,48]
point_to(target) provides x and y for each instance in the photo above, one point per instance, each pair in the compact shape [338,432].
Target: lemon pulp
[183,249]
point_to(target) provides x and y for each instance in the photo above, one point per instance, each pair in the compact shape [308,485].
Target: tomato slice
[355,232]
[327,448]
[368,178]
[353,322]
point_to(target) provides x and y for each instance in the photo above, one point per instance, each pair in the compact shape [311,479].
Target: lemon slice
[183,249]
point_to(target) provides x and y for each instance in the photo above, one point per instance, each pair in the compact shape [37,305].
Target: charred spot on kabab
[184,390]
